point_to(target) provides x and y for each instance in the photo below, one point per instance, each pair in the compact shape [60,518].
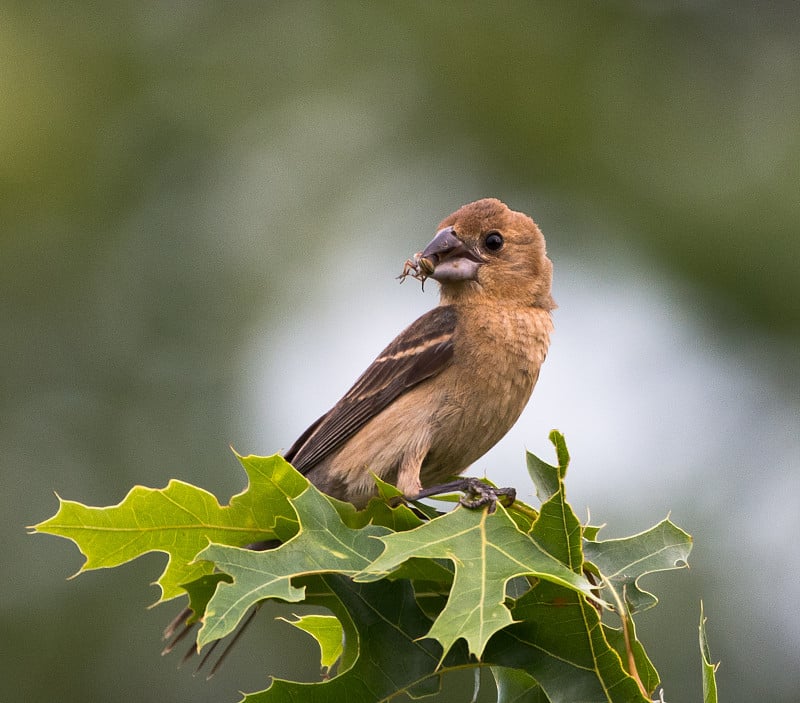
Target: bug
[418,267]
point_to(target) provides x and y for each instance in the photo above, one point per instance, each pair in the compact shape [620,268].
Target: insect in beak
[418,267]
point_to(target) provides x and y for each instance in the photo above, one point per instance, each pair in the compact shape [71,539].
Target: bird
[448,387]
[451,384]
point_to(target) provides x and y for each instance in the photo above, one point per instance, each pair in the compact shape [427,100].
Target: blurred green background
[204,206]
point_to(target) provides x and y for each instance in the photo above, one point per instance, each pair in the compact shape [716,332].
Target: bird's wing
[422,350]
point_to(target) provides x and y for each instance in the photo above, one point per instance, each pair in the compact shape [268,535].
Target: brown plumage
[455,381]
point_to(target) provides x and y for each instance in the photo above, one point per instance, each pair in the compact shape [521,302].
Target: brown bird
[455,381]
[450,385]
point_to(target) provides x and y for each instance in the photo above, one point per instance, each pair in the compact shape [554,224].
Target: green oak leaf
[591,531]
[709,669]
[644,667]
[516,686]
[558,530]
[623,561]
[546,478]
[322,544]
[558,640]
[180,520]
[327,631]
[384,643]
[488,550]
[386,509]
[200,591]
[559,650]
[411,598]
[425,571]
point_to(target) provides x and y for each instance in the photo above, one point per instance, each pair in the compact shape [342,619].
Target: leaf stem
[624,616]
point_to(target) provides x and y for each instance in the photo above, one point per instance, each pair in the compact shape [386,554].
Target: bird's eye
[493,241]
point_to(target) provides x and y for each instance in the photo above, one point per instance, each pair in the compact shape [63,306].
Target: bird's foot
[476,493]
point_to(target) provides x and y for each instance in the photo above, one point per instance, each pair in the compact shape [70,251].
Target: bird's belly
[482,415]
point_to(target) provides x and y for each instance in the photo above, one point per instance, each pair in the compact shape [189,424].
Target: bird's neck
[468,294]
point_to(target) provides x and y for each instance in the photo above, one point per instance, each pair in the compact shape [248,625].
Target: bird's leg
[476,493]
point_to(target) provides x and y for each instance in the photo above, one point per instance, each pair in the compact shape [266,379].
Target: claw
[476,493]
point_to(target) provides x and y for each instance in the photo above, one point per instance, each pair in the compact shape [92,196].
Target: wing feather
[421,351]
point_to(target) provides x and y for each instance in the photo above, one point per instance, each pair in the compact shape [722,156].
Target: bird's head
[487,249]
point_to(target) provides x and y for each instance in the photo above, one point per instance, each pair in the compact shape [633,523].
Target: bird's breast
[495,367]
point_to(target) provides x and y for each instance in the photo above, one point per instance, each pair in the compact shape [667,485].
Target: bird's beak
[448,259]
